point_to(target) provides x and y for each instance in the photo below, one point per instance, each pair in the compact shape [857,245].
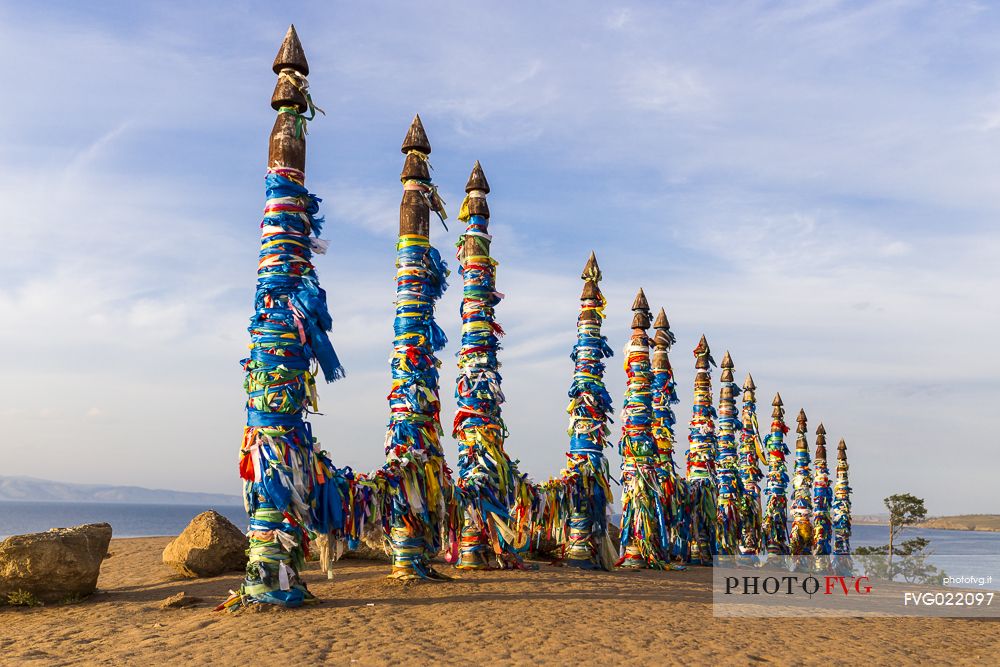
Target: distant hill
[985,522]
[43,490]
[871,519]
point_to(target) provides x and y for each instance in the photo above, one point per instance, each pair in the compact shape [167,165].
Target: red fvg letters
[832,581]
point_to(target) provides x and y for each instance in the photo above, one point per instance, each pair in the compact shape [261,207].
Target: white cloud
[663,87]
[619,18]
[895,248]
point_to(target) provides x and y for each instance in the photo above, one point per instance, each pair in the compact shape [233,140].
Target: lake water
[126,519]
[141,520]
[943,542]
[982,549]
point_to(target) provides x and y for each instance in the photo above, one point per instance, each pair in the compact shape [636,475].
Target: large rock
[369,548]
[549,548]
[209,546]
[61,564]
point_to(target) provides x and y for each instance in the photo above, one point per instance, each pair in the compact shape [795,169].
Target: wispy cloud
[663,87]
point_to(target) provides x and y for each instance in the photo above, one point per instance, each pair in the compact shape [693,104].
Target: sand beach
[553,615]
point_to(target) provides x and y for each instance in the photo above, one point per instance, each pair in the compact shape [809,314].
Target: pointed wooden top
[703,356]
[416,138]
[640,302]
[591,271]
[802,421]
[477,180]
[291,55]
[748,383]
[820,430]
[661,320]
[727,371]
[662,340]
[842,450]
[641,309]
[777,400]
[702,349]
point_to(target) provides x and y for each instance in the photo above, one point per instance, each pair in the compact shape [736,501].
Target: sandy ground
[554,616]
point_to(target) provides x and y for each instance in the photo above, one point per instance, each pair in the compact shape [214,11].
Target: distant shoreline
[988,523]
[165,503]
[980,523]
[31,489]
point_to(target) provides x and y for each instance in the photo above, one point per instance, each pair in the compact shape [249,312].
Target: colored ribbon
[415,487]
[730,498]
[496,509]
[842,515]
[573,508]
[750,476]
[291,488]
[645,534]
[664,395]
[776,514]
[822,498]
[701,477]
[801,538]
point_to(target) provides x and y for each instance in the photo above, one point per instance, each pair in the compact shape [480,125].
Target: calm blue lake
[943,542]
[141,520]
[126,519]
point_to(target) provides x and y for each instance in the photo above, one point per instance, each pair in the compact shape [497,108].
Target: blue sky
[814,186]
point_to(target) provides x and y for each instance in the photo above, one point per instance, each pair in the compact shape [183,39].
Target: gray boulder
[209,546]
[58,565]
[548,548]
[370,547]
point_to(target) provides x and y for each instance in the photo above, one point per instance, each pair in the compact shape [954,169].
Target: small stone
[179,600]
[209,546]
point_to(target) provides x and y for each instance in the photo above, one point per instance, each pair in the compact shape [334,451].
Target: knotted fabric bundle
[417,495]
[727,527]
[495,497]
[645,534]
[701,478]
[750,453]
[664,395]
[822,499]
[801,538]
[574,506]
[776,512]
[842,514]
[290,486]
